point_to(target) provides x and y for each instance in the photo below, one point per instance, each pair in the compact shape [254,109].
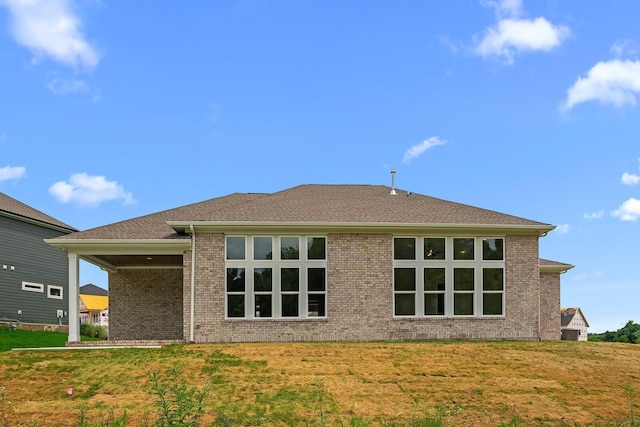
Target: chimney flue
[393,182]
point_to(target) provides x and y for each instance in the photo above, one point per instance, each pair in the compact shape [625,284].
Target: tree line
[629,333]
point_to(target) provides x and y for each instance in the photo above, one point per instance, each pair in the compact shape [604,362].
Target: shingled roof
[305,204]
[567,315]
[18,210]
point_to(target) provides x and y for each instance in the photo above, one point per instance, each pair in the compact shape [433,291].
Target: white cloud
[64,87]
[594,215]
[610,82]
[505,8]
[562,228]
[50,28]
[512,35]
[418,149]
[89,190]
[624,48]
[630,179]
[12,173]
[628,211]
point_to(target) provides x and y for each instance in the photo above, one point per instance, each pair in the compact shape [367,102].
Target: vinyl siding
[22,246]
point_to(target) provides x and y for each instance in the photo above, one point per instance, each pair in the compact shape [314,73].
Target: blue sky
[114,109]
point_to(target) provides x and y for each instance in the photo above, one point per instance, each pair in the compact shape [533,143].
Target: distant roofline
[38,222]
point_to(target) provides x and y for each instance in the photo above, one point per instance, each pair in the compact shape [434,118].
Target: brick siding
[359,298]
[550,306]
[148,304]
[145,304]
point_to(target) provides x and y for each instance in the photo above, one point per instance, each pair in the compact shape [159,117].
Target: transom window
[276,277]
[448,276]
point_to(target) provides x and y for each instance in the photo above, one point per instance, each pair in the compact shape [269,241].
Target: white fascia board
[350,227]
[122,246]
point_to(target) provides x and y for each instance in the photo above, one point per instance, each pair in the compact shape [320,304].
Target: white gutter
[249,226]
[193,282]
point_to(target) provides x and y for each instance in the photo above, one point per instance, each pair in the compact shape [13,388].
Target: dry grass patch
[472,383]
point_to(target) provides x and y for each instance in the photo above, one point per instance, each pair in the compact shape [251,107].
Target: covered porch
[145,285]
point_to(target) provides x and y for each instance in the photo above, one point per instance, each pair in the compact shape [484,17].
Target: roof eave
[122,246]
[301,226]
[558,268]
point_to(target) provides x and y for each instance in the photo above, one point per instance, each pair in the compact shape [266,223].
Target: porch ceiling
[139,261]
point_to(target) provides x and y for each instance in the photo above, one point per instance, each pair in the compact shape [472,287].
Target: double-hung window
[448,276]
[276,277]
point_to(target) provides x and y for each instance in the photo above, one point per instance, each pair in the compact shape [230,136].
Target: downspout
[193,282]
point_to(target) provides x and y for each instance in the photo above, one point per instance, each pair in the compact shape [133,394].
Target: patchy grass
[358,384]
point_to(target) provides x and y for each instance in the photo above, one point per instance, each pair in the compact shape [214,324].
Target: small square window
[404,279]
[235,248]
[262,248]
[316,248]
[235,305]
[493,249]
[290,279]
[54,292]
[316,279]
[463,249]
[405,305]
[404,248]
[434,248]
[289,248]
[235,280]
[262,279]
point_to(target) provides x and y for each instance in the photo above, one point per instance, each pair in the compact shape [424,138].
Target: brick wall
[550,306]
[359,298]
[145,304]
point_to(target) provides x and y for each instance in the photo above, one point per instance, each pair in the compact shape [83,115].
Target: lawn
[358,384]
[30,339]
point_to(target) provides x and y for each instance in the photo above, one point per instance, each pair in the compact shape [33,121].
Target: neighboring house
[324,263]
[94,305]
[34,276]
[574,325]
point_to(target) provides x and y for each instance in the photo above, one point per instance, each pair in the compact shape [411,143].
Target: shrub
[93,331]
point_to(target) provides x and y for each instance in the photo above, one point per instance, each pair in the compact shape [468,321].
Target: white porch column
[74,291]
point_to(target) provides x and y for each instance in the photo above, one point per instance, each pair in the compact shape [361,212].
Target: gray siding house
[34,277]
[324,263]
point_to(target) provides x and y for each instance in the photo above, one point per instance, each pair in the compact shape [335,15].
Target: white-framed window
[32,287]
[437,276]
[276,276]
[55,292]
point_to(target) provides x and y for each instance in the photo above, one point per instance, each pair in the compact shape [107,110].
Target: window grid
[289,261]
[442,300]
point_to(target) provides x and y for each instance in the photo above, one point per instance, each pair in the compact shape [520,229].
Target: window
[434,291]
[453,276]
[287,277]
[404,286]
[54,292]
[32,287]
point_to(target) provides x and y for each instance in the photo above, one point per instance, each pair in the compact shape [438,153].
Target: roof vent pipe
[393,182]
